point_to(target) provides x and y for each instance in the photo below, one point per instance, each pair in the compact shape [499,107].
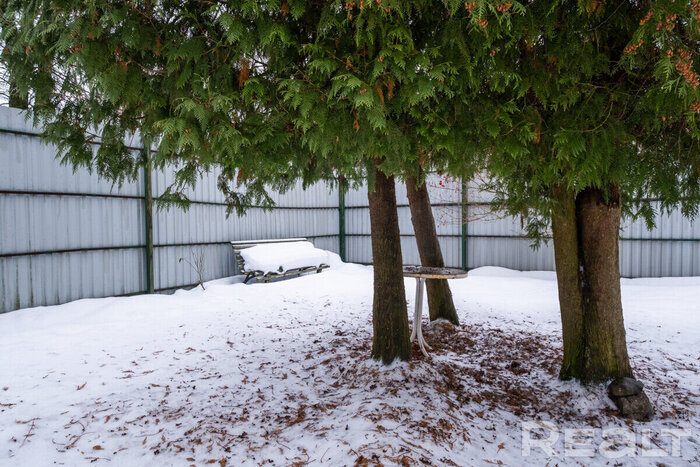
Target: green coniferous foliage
[270,91]
[594,115]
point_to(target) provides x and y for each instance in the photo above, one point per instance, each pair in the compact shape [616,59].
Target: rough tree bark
[389,314]
[598,216]
[566,258]
[439,295]
[586,248]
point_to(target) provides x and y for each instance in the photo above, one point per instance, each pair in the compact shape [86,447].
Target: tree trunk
[604,328]
[439,295]
[389,314]
[586,248]
[566,259]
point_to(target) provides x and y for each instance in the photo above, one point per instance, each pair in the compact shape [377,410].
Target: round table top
[426,272]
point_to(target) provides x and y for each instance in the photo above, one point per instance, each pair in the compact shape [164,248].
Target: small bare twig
[29,433]
[196,262]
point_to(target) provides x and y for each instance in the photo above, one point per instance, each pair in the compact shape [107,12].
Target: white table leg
[416,310]
[417,317]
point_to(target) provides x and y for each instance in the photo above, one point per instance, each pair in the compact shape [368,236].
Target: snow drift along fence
[66,236]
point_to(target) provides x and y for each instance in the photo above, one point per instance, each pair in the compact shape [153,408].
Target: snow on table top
[280,257]
[279,373]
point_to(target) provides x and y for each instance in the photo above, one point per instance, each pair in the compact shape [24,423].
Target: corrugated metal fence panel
[668,225]
[30,165]
[659,258]
[330,243]
[27,281]
[652,253]
[359,250]
[170,272]
[41,212]
[514,253]
[205,189]
[447,222]
[49,223]
[318,195]
[208,223]
[356,197]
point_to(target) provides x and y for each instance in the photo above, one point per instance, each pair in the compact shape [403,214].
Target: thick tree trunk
[566,258]
[586,248]
[604,328]
[389,314]
[439,295]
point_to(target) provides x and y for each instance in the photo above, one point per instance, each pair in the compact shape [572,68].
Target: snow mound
[495,271]
[280,257]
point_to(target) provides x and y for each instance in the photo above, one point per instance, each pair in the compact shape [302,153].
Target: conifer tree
[594,114]
[271,91]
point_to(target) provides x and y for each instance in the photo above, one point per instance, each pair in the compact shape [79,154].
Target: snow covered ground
[278,374]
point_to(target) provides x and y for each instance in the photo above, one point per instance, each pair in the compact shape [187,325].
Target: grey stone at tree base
[622,387]
[630,399]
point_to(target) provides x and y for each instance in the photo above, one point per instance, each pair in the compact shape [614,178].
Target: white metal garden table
[421,273]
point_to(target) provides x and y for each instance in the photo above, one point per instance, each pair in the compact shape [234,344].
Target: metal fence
[66,236]
[471,237]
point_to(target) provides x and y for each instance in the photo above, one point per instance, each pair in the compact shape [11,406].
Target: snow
[280,257]
[279,373]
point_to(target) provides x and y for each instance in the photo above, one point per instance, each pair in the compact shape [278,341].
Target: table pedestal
[417,317]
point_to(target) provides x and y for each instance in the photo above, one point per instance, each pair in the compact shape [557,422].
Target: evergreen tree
[594,115]
[271,91]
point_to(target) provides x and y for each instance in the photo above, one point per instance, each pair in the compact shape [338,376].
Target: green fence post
[148,202]
[465,232]
[341,220]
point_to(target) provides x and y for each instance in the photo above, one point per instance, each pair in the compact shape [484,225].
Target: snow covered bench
[266,260]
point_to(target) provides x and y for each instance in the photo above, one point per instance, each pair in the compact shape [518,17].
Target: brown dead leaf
[81,386]
[97,447]
[244,74]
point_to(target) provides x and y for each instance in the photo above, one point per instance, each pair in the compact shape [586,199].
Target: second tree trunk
[439,295]
[586,235]
[389,314]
